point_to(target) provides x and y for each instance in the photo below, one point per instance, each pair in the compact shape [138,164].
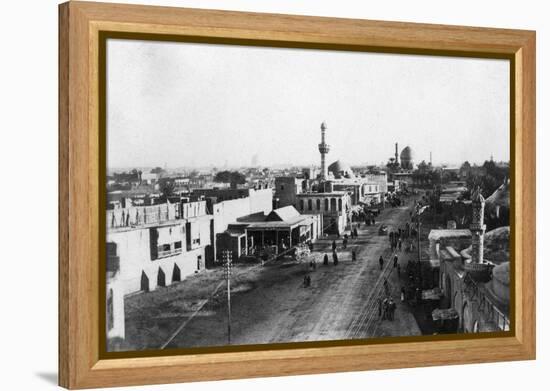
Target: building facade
[472,288]
[333,206]
[158,245]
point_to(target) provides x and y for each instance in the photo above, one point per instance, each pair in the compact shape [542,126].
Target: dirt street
[271,305]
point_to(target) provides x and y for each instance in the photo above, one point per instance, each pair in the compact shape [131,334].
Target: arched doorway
[110,310]
[466,318]
[144,282]
[176,274]
[448,291]
[454,303]
[161,278]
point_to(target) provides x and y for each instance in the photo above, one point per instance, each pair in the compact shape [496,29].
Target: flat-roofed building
[333,206]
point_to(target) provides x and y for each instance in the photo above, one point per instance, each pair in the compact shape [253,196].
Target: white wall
[29,150]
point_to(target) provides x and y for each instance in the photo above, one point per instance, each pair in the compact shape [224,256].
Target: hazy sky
[185,104]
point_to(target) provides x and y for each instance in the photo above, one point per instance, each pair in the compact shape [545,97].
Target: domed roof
[340,169]
[502,273]
[406,153]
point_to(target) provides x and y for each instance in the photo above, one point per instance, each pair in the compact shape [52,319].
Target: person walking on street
[325,260]
[335,258]
[381,262]
[353,255]
[334,245]
[395,261]
[391,309]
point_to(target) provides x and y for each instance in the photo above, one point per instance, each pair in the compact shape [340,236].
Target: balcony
[169,253]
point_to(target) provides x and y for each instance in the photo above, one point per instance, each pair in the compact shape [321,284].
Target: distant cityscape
[304,253]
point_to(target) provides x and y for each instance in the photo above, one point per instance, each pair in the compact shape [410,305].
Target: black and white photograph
[268,195]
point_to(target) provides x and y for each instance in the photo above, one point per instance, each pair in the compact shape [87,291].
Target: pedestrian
[308,280]
[355,232]
[385,309]
[379,307]
[395,261]
[325,260]
[335,258]
[381,262]
[345,242]
[391,309]
[305,281]
[400,242]
[334,245]
[353,256]
[402,294]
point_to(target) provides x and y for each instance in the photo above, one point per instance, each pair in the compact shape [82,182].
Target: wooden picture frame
[81,152]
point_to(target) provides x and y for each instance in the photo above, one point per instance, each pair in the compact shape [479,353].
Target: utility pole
[228,263]
[418,231]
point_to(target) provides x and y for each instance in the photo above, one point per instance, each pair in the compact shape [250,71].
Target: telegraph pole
[228,258]
[418,231]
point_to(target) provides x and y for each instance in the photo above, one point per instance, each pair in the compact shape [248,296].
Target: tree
[157,170]
[488,177]
[167,189]
[230,177]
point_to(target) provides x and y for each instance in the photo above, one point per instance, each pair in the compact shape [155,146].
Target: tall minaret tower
[477,227]
[396,154]
[323,149]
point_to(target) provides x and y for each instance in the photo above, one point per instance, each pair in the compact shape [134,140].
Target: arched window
[340,204]
[333,204]
[318,204]
[326,203]
[309,204]
[301,204]
[110,310]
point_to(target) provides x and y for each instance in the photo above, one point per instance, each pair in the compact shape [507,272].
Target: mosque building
[333,193]
[401,167]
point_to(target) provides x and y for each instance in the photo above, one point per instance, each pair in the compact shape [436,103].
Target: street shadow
[48,377]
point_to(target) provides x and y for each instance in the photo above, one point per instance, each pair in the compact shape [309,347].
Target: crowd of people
[400,239]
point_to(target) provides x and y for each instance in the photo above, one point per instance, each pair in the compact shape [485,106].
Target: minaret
[477,227]
[323,149]
[396,153]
